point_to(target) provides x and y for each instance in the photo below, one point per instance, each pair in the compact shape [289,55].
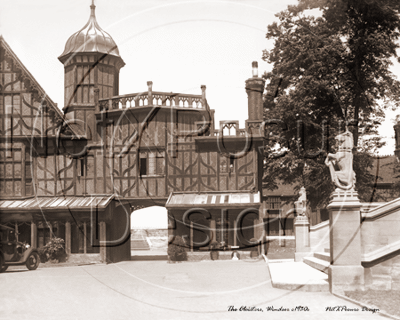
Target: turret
[91,61]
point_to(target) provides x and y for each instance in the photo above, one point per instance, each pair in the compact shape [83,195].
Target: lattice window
[11,173]
[274,203]
[152,163]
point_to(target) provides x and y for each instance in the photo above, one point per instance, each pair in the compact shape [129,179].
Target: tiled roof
[56,203]
[282,190]
[213,199]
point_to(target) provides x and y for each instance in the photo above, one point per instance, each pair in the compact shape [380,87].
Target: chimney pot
[255,69]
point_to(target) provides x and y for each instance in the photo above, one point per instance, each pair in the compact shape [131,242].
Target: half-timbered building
[78,173]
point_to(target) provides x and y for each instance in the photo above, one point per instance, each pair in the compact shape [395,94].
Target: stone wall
[380,246]
[383,274]
[319,236]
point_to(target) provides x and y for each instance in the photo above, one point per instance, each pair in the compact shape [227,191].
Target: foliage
[53,251]
[214,245]
[177,249]
[328,70]
[42,255]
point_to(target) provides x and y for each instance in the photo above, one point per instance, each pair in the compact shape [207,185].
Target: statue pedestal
[302,236]
[346,271]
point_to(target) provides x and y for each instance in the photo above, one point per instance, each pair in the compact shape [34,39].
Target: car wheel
[33,261]
[3,268]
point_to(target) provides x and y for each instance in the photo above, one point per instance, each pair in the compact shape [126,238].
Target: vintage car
[13,252]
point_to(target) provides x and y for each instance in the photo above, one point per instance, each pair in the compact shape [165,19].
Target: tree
[329,71]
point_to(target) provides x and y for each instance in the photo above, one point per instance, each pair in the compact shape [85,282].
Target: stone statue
[301,203]
[341,163]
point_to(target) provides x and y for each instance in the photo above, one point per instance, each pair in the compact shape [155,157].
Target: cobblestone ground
[158,290]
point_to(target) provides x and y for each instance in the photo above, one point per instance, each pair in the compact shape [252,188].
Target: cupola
[91,38]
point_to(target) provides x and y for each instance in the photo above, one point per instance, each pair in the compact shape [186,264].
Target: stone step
[297,276]
[84,258]
[139,245]
[323,256]
[327,250]
[155,257]
[318,264]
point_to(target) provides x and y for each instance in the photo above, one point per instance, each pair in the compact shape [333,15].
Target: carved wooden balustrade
[255,127]
[227,128]
[142,99]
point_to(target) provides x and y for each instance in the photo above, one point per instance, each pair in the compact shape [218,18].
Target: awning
[56,203]
[213,199]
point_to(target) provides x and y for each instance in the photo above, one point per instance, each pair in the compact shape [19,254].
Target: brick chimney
[255,89]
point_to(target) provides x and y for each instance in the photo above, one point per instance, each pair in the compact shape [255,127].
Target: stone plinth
[346,271]
[302,236]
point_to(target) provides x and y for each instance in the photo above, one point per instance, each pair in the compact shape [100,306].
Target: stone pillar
[301,227]
[103,239]
[345,271]
[33,235]
[302,238]
[68,238]
[213,234]
[203,96]
[150,92]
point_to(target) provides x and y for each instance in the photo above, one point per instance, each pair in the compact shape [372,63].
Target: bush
[42,255]
[214,247]
[177,249]
[53,251]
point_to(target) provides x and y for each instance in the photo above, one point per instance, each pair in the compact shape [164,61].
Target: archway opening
[149,230]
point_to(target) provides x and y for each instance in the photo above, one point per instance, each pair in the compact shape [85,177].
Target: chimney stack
[255,90]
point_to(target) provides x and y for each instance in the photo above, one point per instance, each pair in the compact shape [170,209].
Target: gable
[25,108]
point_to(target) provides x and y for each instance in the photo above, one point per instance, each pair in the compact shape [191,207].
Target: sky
[179,45]
[150,218]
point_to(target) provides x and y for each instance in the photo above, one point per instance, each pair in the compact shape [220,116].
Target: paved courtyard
[158,290]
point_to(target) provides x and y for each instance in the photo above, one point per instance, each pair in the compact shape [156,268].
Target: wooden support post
[103,239]
[234,233]
[68,238]
[84,238]
[213,230]
[33,235]
[191,236]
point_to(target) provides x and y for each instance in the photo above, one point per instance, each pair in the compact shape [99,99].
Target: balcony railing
[154,98]
[231,128]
